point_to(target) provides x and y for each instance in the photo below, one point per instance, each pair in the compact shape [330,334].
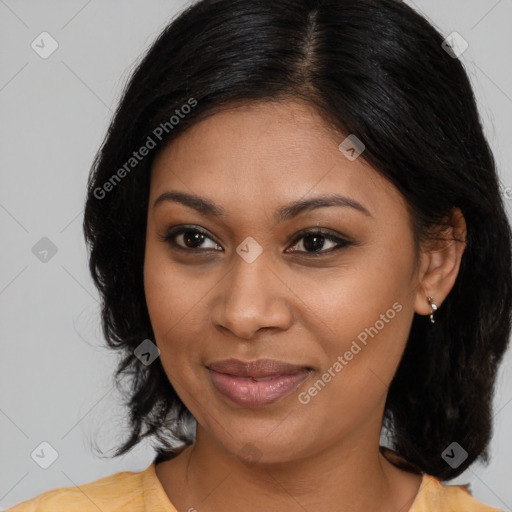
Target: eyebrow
[287,212]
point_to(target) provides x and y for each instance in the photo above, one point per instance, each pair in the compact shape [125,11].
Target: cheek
[175,308]
[170,289]
[366,313]
[173,300]
[361,360]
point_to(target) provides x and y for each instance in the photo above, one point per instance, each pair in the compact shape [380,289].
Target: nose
[251,297]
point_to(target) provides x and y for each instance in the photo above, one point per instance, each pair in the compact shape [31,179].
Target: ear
[440,262]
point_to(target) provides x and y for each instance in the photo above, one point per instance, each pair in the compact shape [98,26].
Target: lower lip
[253,392]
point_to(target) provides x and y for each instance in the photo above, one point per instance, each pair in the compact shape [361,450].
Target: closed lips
[256,383]
[257,369]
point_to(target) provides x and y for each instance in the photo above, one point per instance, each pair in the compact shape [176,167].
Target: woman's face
[248,280]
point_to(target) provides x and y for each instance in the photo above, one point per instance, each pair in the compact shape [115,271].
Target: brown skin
[214,305]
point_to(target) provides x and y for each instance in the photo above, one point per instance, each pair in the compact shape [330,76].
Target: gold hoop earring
[433,306]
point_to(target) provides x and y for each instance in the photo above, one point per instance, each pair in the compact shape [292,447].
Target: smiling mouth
[256,383]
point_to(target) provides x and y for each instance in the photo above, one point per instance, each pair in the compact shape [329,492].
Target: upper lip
[256,369]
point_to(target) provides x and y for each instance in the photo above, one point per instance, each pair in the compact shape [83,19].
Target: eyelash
[341,242]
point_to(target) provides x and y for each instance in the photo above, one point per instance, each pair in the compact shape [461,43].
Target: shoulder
[435,496]
[123,491]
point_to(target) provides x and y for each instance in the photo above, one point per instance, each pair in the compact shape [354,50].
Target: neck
[351,476]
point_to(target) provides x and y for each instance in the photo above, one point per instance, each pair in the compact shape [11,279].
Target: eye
[312,241]
[189,238]
[192,239]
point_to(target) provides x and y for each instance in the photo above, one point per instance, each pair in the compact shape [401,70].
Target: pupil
[318,242]
[192,237]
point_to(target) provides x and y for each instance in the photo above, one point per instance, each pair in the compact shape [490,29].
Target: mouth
[256,383]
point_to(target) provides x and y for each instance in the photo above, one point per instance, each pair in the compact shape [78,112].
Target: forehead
[286,132]
[267,153]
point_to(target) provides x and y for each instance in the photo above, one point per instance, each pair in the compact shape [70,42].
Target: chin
[263,446]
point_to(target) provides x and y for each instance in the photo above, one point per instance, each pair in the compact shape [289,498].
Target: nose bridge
[250,274]
[252,296]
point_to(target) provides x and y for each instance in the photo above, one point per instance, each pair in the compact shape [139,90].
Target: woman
[296,228]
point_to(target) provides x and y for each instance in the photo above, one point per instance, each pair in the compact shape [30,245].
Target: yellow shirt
[142,492]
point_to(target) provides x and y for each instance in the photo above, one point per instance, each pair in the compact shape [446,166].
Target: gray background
[55,374]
